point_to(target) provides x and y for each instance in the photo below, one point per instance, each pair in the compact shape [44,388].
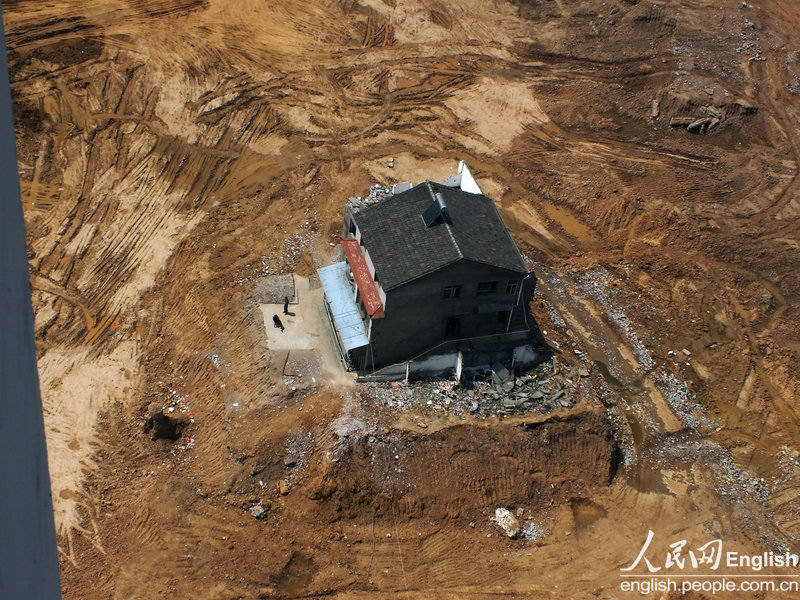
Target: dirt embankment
[464,472]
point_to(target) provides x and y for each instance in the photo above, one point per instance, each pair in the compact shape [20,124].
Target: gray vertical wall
[416,311]
[28,555]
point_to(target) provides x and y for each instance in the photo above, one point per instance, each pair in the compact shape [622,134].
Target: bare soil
[174,154]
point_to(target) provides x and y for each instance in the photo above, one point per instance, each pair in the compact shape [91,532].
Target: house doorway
[452,327]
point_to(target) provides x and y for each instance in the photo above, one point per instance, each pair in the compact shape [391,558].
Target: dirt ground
[173,155]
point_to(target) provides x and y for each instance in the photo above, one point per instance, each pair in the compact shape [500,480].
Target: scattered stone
[258,511]
[506,520]
[283,487]
[583,372]
[686,352]
[533,532]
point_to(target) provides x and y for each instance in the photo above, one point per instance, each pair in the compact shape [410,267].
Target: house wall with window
[463,300]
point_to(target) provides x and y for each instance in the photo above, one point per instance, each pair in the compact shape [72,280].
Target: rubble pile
[376,193]
[294,245]
[543,390]
[707,119]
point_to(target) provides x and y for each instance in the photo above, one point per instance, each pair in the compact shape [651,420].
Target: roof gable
[403,246]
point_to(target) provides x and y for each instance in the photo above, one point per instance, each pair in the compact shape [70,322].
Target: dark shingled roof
[402,248]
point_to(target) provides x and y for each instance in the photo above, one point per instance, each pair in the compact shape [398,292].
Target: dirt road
[173,154]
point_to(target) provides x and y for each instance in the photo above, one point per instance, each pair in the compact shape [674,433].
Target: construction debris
[377,193]
[712,116]
[498,392]
[702,125]
[506,520]
[258,511]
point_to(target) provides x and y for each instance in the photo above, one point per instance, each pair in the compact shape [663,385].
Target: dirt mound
[462,471]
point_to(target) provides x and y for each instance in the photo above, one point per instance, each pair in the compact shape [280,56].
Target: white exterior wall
[468,183]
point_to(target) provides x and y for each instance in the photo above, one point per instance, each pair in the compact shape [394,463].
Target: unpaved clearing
[174,154]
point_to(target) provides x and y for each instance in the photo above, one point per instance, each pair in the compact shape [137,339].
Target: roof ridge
[445,222]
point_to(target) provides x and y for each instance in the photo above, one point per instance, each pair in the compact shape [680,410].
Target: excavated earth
[175,155]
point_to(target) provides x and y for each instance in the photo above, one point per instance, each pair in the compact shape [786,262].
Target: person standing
[286,305]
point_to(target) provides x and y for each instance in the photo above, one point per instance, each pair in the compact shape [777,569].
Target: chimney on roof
[436,211]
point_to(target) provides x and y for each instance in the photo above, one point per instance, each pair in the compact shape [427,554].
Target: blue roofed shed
[341,305]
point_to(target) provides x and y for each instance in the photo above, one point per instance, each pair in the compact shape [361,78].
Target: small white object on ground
[507,521]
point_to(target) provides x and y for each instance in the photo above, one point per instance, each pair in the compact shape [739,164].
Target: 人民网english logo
[708,567]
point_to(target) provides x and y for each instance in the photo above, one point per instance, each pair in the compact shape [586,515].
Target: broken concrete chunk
[699,125]
[654,110]
[501,374]
[583,372]
[258,511]
[506,520]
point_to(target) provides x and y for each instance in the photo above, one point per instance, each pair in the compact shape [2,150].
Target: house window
[512,287]
[451,291]
[486,288]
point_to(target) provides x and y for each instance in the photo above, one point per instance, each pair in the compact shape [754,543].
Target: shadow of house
[432,280]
